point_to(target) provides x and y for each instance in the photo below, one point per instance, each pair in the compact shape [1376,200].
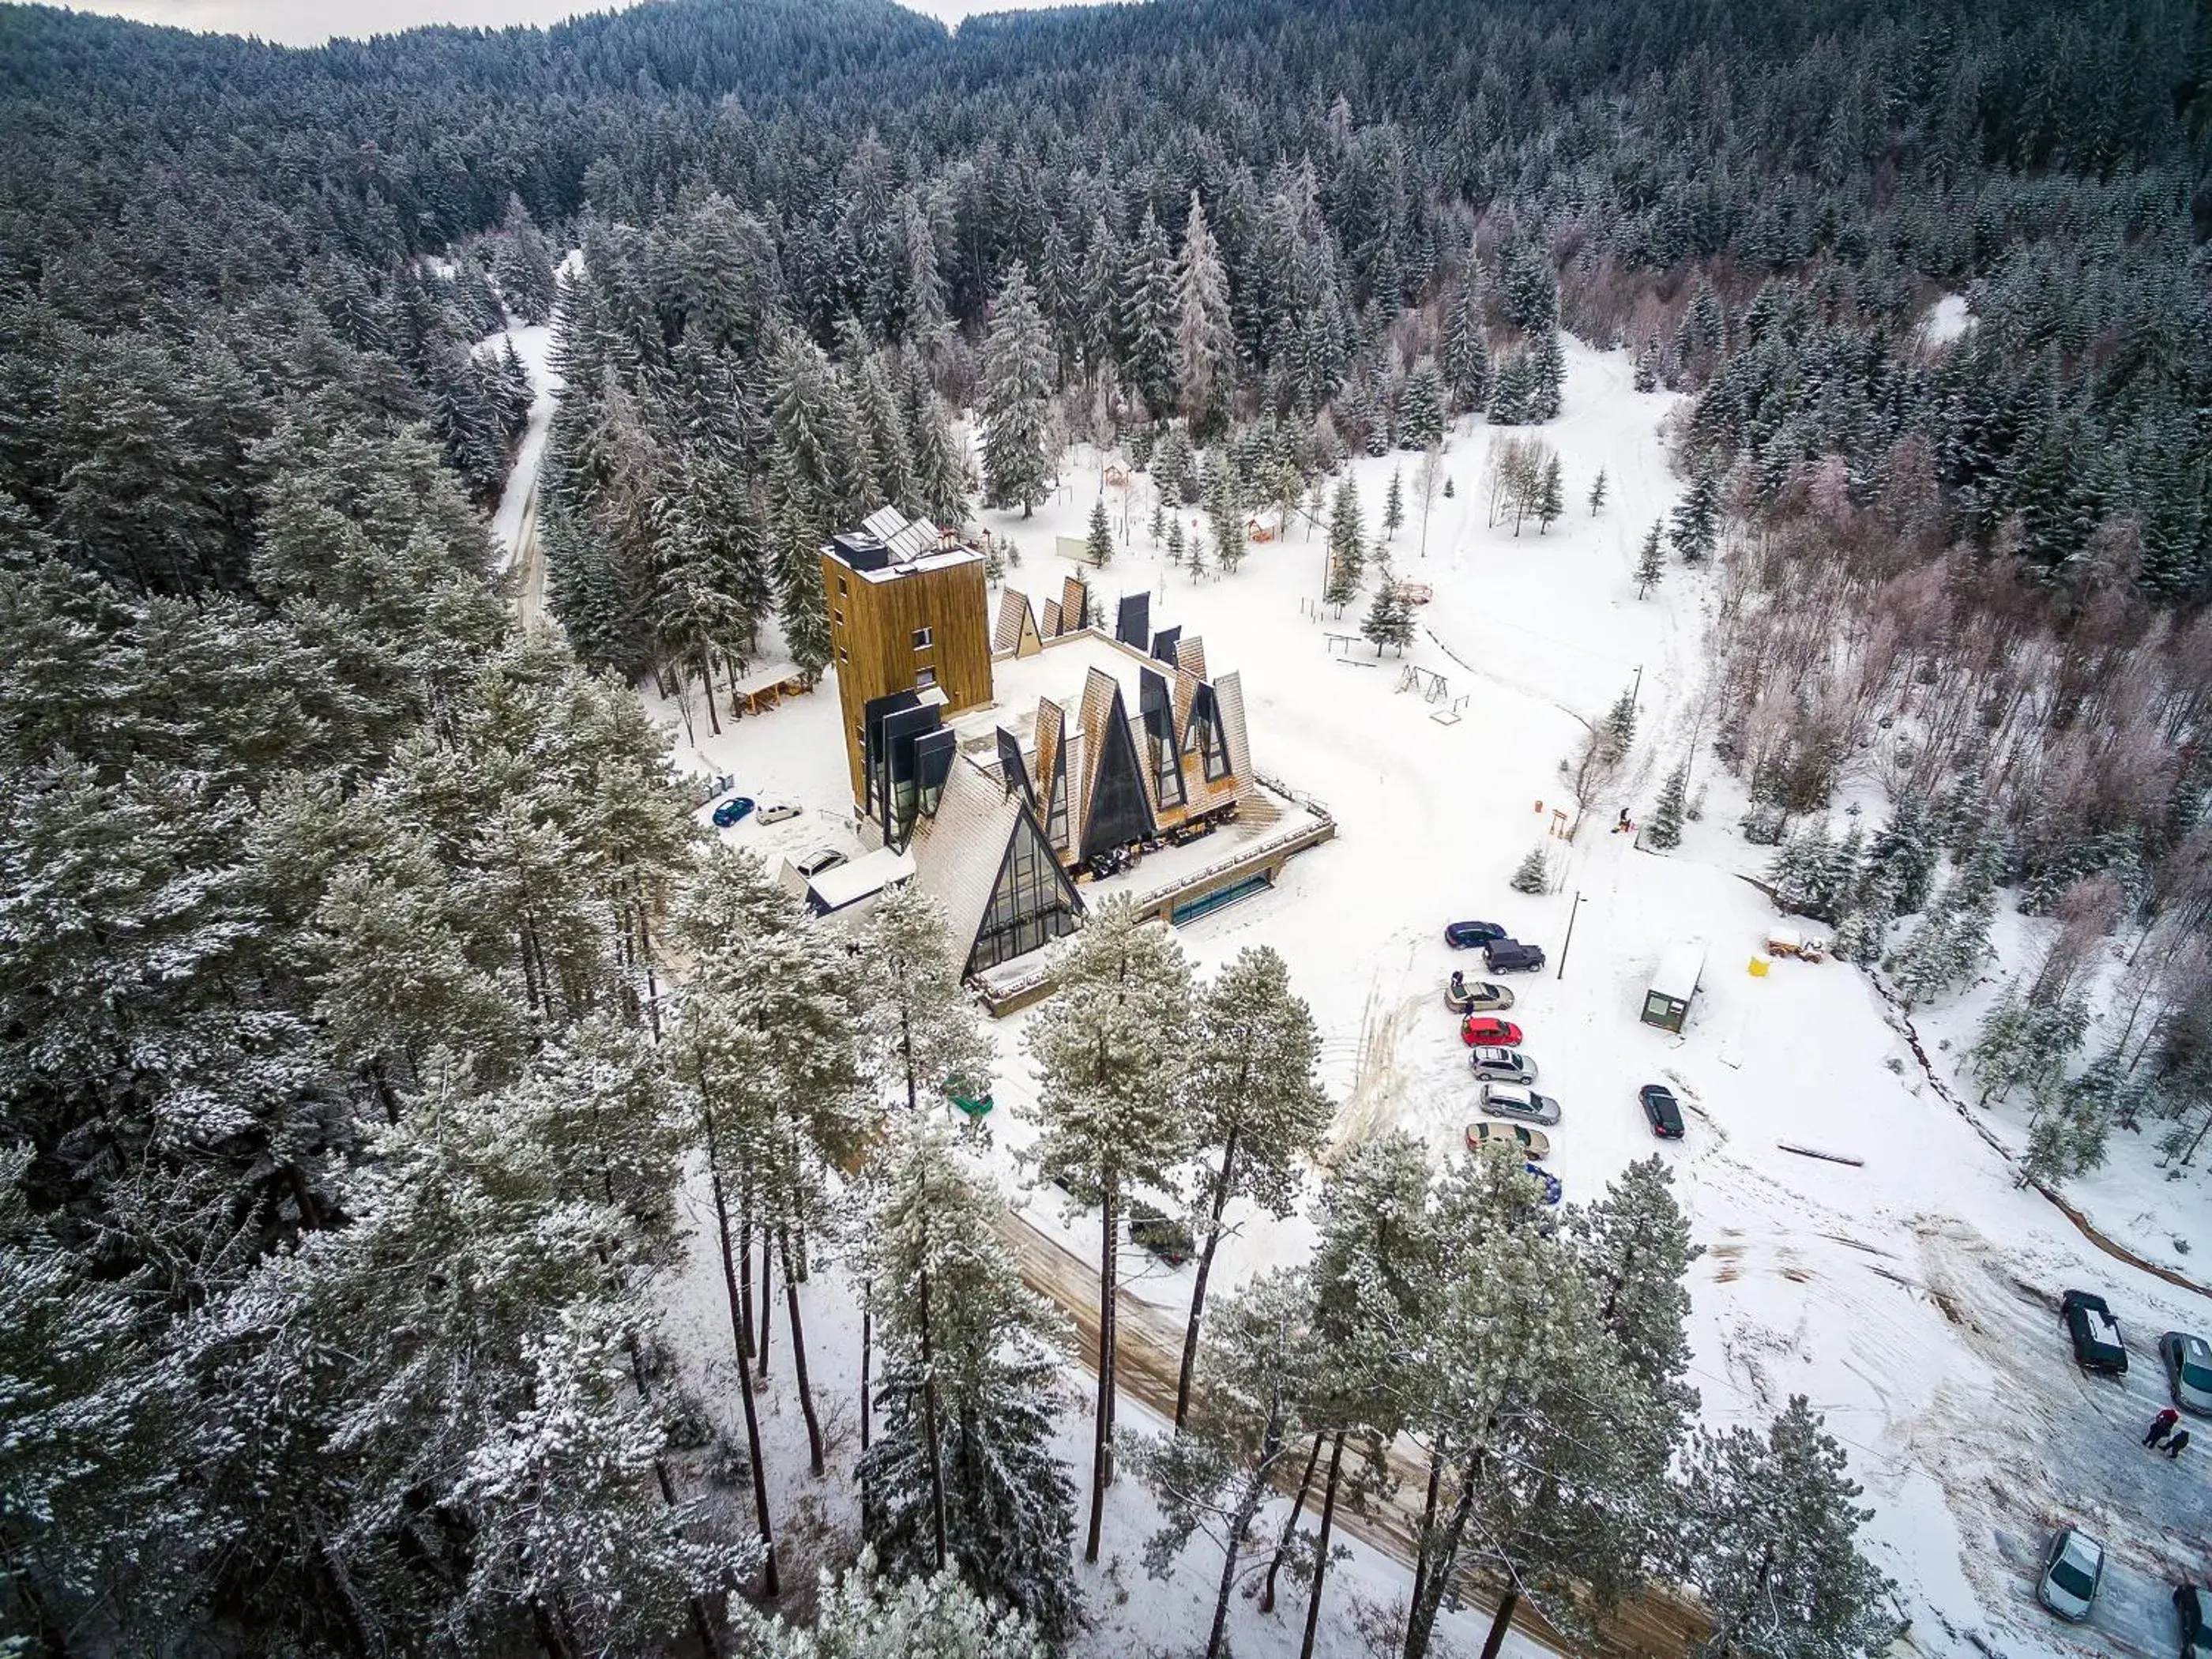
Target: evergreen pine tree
[1533,874]
[1205,347]
[1393,506]
[1770,1540]
[1650,563]
[1648,363]
[962,1474]
[1664,829]
[1227,517]
[1375,1270]
[524,267]
[1098,545]
[942,476]
[1529,289]
[1695,526]
[1634,1244]
[1590,1436]
[862,1617]
[801,604]
[1421,408]
[1548,378]
[1110,1057]
[1386,624]
[1147,314]
[1258,1107]
[1175,472]
[1597,492]
[1551,496]
[897,481]
[1513,391]
[1016,389]
[1347,554]
[1176,545]
[1467,346]
[1259,1363]
[1620,727]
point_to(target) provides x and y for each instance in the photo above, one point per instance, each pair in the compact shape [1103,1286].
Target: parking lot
[2065,1448]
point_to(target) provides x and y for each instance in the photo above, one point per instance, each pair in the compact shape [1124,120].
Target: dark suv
[1509,956]
[2095,1333]
[1660,1111]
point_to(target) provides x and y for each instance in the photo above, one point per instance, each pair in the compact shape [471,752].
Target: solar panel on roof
[883,523]
[909,542]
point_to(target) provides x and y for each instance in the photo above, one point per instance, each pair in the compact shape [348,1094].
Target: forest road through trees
[529,568]
[1654,1625]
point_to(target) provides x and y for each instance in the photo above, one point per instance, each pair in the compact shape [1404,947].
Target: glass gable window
[1213,745]
[1056,818]
[1167,775]
[1031,903]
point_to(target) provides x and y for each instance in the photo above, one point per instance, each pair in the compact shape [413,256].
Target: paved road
[1150,1353]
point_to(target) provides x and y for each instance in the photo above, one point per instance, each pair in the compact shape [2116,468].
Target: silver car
[1501,1065]
[777,814]
[2188,1371]
[820,863]
[2071,1572]
[1512,1100]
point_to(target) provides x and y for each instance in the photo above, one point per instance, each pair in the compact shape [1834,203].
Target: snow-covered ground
[1946,320]
[1910,1294]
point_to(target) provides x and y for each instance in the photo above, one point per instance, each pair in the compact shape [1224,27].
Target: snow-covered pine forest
[382,1034]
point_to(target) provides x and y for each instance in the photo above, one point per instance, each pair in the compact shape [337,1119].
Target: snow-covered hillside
[1911,1292]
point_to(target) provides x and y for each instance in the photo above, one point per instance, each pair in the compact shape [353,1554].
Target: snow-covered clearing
[1946,320]
[1912,1297]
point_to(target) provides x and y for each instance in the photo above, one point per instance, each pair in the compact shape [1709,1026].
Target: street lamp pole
[1566,943]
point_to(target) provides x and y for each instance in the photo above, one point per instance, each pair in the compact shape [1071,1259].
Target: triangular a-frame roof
[1118,807]
[1031,901]
[1016,633]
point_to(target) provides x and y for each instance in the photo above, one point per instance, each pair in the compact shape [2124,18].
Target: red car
[1481,1030]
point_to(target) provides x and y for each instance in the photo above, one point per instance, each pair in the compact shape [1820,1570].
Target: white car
[2070,1574]
[2188,1360]
[777,814]
[815,863]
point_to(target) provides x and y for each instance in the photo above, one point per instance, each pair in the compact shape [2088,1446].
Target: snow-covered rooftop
[863,878]
[1058,672]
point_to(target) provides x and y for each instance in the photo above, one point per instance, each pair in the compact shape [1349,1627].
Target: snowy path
[514,524]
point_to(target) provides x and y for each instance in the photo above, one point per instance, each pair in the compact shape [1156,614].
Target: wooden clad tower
[906,615]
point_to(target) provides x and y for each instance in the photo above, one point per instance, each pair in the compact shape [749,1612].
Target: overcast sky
[307,25]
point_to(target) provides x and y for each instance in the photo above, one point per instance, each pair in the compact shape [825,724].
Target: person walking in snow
[2160,1426]
[2173,1446]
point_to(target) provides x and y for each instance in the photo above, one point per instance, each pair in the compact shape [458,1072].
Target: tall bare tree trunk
[1501,1622]
[1102,1453]
[1291,1526]
[767,1299]
[867,1354]
[1205,1270]
[798,1354]
[1239,1523]
[771,1583]
[1320,1545]
[1442,1553]
[929,1432]
[1428,1520]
